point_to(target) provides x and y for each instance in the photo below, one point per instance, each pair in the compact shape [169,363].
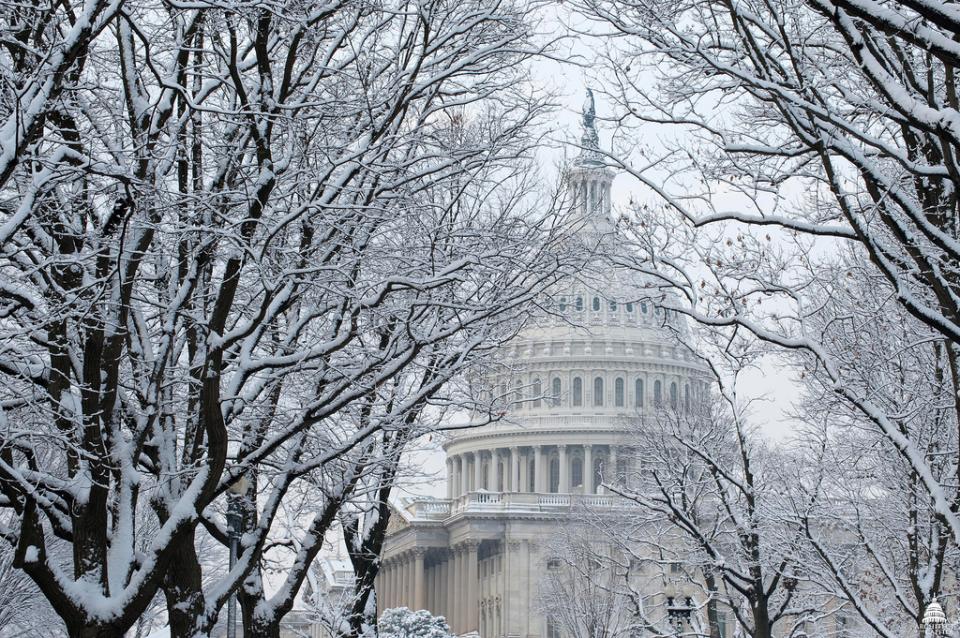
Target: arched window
[563,304]
[576,471]
[598,391]
[638,393]
[577,392]
[554,475]
[673,396]
[643,307]
[556,392]
[537,391]
[630,307]
[657,393]
[613,306]
[596,304]
[578,303]
[618,392]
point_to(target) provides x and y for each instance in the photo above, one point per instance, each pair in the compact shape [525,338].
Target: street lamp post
[234,528]
[934,620]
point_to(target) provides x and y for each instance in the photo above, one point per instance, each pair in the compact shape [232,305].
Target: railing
[432,509]
[505,502]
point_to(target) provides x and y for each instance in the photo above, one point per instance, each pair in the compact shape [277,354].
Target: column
[473,594]
[419,586]
[381,588]
[390,589]
[514,469]
[611,473]
[449,478]
[458,474]
[492,471]
[524,480]
[477,471]
[441,586]
[588,487]
[461,589]
[564,487]
[539,484]
[407,594]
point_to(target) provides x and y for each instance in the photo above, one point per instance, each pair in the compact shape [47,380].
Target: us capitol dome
[572,382]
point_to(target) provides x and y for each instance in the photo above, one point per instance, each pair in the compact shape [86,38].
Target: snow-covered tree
[705,506]
[877,542]
[792,131]
[239,243]
[401,622]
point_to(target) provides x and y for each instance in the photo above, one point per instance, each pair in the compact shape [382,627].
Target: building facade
[479,556]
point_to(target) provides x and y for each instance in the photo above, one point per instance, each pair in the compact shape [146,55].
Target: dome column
[538,473]
[564,487]
[477,472]
[613,463]
[449,478]
[492,471]
[524,483]
[588,469]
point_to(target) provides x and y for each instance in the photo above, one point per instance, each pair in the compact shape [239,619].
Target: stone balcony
[483,502]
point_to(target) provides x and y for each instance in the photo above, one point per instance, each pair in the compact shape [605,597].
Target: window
[553,629]
[517,393]
[598,391]
[531,477]
[638,393]
[686,396]
[673,396]
[613,306]
[643,307]
[556,392]
[563,304]
[618,392]
[554,564]
[537,391]
[629,306]
[554,475]
[577,392]
[657,393]
[578,303]
[596,304]
[576,471]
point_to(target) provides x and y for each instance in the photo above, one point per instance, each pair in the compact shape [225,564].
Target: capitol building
[574,380]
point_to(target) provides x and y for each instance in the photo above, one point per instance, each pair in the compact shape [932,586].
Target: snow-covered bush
[401,622]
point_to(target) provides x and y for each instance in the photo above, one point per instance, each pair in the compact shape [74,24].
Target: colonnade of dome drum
[568,395]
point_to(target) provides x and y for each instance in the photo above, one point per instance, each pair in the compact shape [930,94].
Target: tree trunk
[713,614]
[261,628]
[182,588]
[761,621]
[94,631]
